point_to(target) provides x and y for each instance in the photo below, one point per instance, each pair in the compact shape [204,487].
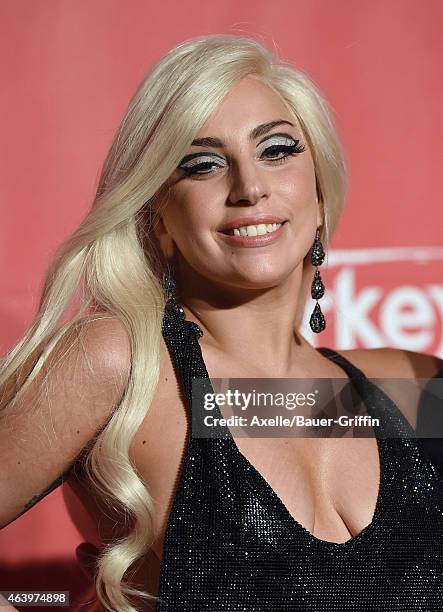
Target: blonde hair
[110,263]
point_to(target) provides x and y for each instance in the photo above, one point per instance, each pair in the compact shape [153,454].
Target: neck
[255,327]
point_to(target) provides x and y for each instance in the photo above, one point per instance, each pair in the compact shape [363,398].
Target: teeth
[255,230]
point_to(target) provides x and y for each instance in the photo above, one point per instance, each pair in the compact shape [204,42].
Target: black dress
[231,544]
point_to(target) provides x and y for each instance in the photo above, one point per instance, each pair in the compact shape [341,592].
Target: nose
[248,186]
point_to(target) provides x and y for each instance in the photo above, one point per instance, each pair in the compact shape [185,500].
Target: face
[249,167]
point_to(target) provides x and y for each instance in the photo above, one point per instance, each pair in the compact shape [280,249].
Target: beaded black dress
[231,544]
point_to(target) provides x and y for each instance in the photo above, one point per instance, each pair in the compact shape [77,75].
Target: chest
[328,485]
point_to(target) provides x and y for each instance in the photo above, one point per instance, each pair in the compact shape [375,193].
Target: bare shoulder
[388,362]
[106,340]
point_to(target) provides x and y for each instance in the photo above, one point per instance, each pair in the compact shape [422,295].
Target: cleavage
[332,488]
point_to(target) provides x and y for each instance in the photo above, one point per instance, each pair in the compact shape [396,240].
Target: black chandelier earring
[170,288]
[317,320]
[172,305]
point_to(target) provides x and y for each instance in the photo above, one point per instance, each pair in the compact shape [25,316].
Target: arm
[46,430]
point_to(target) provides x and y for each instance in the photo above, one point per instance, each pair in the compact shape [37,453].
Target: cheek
[188,223]
[298,187]
[199,205]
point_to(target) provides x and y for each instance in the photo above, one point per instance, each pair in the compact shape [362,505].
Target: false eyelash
[291,149]
[194,169]
[294,149]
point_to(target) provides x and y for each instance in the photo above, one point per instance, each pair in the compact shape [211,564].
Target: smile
[253,235]
[253,230]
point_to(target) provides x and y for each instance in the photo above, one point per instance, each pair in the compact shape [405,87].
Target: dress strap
[351,370]
[393,423]
[181,338]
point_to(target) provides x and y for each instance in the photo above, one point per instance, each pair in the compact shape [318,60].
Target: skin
[235,292]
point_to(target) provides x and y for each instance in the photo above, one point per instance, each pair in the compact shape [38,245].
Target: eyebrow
[211,141]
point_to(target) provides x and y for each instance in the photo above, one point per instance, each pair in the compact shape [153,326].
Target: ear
[320,203]
[320,221]
[158,205]
[165,240]
[320,213]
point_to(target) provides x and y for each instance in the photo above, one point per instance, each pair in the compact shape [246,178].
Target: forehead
[249,103]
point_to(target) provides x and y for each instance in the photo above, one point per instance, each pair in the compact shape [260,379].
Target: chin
[259,280]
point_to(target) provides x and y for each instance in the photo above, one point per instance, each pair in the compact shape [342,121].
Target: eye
[199,167]
[287,146]
[284,147]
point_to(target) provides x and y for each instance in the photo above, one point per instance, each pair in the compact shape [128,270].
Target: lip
[251,221]
[254,241]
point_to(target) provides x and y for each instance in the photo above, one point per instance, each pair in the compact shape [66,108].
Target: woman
[219,137]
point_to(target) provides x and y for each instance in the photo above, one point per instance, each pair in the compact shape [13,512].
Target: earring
[170,288]
[317,320]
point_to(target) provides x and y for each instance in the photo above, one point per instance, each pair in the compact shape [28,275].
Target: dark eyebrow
[211,141]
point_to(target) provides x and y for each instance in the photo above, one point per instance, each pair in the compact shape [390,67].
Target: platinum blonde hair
[110,264]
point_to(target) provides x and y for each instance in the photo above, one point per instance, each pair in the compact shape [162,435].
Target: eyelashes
[271,153]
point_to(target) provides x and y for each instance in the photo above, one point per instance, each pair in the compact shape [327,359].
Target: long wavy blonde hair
[110,262]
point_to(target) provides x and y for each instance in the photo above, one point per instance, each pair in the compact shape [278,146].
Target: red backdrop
[69,69]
